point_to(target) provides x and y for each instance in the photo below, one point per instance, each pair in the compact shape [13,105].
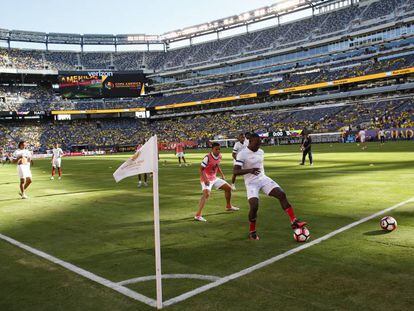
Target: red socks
[253,226]
[53,171]
[291,214]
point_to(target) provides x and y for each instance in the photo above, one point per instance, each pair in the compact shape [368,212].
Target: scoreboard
[101,84]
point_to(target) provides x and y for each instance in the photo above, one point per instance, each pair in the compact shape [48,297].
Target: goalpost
[225,142]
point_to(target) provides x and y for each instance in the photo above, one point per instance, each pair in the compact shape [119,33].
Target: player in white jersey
[381,136]
[3,156]
[23,158]
[361,136]
[241,143]
[249,163]
[57,161]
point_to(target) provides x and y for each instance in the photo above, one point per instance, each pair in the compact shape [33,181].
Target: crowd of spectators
[27,98]
[381,113]
[21,59]
[45,99]
[62,60]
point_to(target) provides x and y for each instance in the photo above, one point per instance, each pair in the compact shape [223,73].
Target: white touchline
[211,278]
[279,257]
[89,275]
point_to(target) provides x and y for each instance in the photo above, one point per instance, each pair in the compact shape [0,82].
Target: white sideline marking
[89,275]
[279,257]
[211,278]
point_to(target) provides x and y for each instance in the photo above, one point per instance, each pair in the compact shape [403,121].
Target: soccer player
[179,152]
[208,179]
[3,156]
[306,148]
[381,135]
[145,180]
[238,146]
[361,135]
[23,158]
[145,175]
[6,158]
[249,163]
[57,161]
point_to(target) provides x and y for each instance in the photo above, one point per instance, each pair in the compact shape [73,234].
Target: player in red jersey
[179,152]
[209,168]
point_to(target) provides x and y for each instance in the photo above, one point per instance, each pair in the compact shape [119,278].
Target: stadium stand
[101,133]
[365,38]
[43,99]
[331,23]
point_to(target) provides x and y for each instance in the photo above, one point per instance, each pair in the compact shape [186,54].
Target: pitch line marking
[272,260]
[89,275]
[211,278]
[151,302]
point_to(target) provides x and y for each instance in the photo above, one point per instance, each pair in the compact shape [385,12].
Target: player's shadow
[9,200]
[163,222]
[376,232]
[68,193]
[55,194]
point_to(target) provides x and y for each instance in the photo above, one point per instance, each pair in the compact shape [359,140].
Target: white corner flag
[145,160]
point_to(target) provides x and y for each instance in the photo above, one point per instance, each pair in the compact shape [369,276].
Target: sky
[117,16]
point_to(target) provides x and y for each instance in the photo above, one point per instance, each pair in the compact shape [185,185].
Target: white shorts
[362,139]
[57,162]
[24,171]
[180,154]
[266,184]
[216,183]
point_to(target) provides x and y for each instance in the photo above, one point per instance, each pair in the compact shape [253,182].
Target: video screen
[101,84]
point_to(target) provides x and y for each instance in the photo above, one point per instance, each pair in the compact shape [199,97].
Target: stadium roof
[273,11]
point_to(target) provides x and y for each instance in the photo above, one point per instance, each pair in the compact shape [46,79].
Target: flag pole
[158,275]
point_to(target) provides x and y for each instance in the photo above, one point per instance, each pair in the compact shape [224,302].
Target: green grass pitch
[107,228]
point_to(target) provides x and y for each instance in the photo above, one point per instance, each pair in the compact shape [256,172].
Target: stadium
[336,76]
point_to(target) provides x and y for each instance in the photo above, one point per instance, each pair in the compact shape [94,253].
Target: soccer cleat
[233,187]
[232,209]
[200,218]
[298,224]
[51,178]
[59,178]
[180,165]
[139,185]
[187,164]
[24,196]
[145,184]
[253,236]
[301,163]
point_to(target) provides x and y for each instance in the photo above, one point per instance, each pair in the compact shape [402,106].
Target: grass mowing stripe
[279,257]
[89,275]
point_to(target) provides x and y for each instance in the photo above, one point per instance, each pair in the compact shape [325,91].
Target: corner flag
[145,160]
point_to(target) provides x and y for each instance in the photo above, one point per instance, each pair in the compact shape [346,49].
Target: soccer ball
[388,223]
[301,234]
